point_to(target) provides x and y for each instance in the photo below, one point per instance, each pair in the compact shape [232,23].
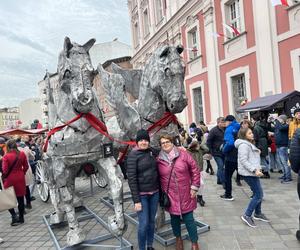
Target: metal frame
[164,237]
[86,215]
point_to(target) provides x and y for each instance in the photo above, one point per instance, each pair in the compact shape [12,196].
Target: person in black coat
[261,136]
[295,164]
[143,180]
[214,140]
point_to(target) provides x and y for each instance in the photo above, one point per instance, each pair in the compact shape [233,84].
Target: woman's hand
[137,207]
[193,193]
[258,173]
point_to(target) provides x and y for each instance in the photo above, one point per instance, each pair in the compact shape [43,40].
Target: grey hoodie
[248,157]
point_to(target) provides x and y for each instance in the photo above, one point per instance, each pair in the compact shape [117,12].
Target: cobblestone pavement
[227,231]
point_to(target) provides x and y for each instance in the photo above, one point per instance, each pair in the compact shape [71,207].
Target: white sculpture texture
[78,143]
[158,88]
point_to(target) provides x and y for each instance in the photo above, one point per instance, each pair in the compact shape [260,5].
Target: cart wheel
[41,182]
[100,180]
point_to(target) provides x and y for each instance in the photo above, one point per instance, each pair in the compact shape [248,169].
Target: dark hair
[242,134]
[220,119]
[248,122]
[12,145]
[202,123]
[193,125]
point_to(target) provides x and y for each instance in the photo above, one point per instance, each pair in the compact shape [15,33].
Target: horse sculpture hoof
[56,218]
[75,236]
[77,201]
[116,227]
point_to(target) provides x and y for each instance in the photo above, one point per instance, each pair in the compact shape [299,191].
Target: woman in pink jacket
[181,168]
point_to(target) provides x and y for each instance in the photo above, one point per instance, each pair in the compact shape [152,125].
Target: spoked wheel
[100,180]
[41,181]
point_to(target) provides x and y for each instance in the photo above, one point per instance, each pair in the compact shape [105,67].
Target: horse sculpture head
[76,74]
[165,73]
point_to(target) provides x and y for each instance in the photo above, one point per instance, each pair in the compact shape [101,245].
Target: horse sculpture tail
[127,117]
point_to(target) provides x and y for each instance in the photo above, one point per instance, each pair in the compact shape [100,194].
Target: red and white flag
[231,29]
[217,34]
[280,2]
[192,49]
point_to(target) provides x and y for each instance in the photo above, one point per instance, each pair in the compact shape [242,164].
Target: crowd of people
[172,176]
[18,160]
[254,149]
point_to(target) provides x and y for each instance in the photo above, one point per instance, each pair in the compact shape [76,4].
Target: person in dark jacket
[143,182]
[230,152]
[260,131]
[282,141]
[214,140]
[295,164]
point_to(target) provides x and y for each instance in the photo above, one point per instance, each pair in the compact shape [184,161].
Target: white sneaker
[1,240]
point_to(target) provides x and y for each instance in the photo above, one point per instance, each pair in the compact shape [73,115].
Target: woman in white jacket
[249,167]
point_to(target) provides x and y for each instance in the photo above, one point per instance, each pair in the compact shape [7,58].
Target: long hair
[11,145]
[242,134]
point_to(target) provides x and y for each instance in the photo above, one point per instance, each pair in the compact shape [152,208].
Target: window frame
[192,55]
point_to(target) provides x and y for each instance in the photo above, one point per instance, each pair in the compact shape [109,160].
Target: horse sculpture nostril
[172,106]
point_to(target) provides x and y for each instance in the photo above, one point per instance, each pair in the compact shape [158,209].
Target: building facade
[258,56]
[9,118]
[30,110]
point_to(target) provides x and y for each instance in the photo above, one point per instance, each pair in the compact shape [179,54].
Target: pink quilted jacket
[185,175]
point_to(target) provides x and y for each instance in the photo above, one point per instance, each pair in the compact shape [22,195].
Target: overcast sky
[32,33]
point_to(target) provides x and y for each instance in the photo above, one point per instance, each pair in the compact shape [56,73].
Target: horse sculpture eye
[167,72]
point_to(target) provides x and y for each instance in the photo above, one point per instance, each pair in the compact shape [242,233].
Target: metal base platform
[87,214]
[165,236]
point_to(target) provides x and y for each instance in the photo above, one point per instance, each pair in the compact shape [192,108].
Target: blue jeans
[220,173]
[283,158]
[274,161]
[147,220]
[265,164]
[255,202]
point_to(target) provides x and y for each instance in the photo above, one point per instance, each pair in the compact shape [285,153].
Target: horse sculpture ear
[179,49]
[67,46]
[165,52]
[89,44]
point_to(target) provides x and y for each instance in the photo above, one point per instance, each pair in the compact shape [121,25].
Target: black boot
[21,219]
[14,221]
[200,200]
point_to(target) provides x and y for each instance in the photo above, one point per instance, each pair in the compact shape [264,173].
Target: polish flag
[231,29]
[280,2]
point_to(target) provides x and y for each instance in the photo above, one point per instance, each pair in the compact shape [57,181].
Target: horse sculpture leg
[114,177]
[62,195]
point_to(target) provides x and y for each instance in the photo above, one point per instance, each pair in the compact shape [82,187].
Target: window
[146,22]
[198,104]
[234,15]
[159,10]
[136,35]
[239,91]
[193,43]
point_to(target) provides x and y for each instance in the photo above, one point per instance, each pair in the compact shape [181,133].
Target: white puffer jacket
[248,157]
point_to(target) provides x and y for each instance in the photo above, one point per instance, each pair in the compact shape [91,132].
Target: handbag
[164,200]
[8,197]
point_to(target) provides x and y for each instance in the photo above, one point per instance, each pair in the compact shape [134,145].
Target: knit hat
[296,110]
[142,134]
[229,118]
[282,117]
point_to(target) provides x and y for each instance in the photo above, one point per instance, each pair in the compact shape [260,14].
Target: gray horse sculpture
[78,143]
[159,88]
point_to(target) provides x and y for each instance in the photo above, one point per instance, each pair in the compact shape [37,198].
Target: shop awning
[285,101]
[23,131]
